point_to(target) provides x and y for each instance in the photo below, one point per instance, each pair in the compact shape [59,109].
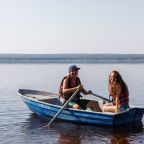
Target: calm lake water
[19,125]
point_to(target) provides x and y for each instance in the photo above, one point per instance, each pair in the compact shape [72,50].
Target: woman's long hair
[119,81]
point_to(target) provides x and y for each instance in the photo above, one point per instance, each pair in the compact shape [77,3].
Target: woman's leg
[109,107]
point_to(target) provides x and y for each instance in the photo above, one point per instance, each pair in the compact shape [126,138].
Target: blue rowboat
[46,105]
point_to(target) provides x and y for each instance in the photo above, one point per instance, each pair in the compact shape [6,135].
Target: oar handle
[103,98]
[62,108]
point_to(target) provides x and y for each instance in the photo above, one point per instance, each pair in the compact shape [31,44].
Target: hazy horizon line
[70,53]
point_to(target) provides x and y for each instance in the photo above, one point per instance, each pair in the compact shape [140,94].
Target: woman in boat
[118,90]
[69,85]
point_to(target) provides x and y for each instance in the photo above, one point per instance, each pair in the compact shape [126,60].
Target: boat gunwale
[74,110]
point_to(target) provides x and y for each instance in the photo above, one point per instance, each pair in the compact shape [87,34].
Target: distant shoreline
[72,58]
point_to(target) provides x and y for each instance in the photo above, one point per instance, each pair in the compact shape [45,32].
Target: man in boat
[119,92]
[69,85]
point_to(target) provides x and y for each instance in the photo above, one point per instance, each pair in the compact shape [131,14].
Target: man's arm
[67,90]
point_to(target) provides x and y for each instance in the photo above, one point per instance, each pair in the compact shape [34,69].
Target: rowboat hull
[50,105]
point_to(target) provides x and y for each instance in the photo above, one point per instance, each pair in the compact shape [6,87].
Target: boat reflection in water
[67,133]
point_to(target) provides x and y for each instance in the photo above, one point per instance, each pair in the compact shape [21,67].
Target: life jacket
[67,96]
[123,98]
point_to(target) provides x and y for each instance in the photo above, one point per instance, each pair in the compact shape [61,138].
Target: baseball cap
[73,68]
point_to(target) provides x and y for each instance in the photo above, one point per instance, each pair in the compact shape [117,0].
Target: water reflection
[33,122]
[67,133]
[69,136]
[123,134]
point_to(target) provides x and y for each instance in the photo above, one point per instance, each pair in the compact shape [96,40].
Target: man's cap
[73,68]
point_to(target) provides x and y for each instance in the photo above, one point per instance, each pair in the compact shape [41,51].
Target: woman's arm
[118,92]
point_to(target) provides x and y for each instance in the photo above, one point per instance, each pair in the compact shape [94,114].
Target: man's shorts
[82,103]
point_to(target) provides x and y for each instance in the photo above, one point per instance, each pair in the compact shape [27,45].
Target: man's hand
[89,92]
[80,87]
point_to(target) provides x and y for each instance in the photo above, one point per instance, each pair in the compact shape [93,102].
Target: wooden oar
[62,108]
[103,98]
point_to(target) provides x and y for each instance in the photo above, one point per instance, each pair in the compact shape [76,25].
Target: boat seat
[54,101]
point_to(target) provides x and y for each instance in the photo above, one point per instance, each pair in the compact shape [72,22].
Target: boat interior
[46,97]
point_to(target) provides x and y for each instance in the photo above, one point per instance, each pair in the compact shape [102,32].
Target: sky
[71,26]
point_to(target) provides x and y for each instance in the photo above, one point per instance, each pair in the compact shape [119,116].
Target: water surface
[19,125]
